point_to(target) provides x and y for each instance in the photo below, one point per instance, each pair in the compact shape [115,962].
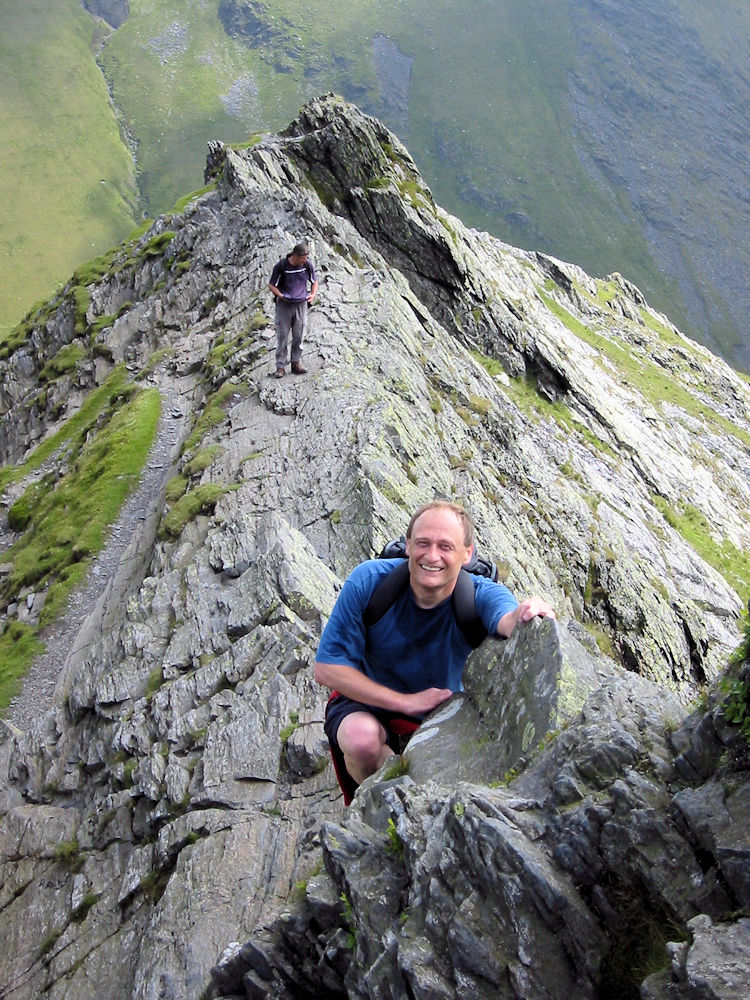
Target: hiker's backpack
[464,600]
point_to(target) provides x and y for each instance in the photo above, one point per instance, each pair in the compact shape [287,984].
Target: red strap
[398,726]
[403,727]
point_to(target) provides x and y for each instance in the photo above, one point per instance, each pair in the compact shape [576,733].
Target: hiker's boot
[280,373]
[297,369]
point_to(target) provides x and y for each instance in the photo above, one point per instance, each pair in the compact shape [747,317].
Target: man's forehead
[439,521]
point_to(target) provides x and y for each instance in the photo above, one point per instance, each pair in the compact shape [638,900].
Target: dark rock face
[246,20]
[114,12]
[614,107]
[171,826]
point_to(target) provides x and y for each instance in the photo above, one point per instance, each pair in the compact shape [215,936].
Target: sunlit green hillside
[67,183]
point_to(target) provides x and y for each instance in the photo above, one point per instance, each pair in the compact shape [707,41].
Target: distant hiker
[289,283]
[412,658]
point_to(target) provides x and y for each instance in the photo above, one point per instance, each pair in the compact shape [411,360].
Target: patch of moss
[183,203]
[290,728]
[490,365]
[202,460]
[213,414]
[156,246]
[397,767]
[466,415]
[254,139]
[154,885]
[201,500]
[259,321]
[63,362]
[394,846]
[67,852]
[416,195]
[479,404]
[79,914]
[176,487]
[49,942]
[102,323]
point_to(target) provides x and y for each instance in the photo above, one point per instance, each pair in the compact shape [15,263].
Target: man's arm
[313,291]
[276,291]
[354,684]
[532,607]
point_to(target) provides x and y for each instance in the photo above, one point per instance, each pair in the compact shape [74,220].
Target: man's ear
[467,560]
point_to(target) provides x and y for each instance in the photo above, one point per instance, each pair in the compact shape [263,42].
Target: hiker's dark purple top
[410,648]
[292,280]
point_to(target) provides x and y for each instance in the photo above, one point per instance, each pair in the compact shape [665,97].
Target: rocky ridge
[167,815]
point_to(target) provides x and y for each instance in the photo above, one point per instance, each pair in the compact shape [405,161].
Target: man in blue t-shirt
[293,285]
[412,659]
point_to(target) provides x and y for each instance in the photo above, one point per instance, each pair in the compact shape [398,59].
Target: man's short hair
[457,509]
[300,250]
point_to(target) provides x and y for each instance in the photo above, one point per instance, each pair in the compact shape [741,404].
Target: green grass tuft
[201,500]
[66,523]
[732,563]
[18,647]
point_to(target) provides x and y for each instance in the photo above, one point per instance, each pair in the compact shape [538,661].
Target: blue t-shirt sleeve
[344,637]
[311,272]
[493,601]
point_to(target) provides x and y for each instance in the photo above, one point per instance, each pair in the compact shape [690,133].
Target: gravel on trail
[68,635]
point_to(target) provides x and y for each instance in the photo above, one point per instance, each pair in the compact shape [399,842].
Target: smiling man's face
[436,551]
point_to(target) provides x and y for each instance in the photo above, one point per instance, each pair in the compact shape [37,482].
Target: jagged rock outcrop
[564,877]
[175,804]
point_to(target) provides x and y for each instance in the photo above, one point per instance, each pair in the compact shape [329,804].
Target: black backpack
[464,602]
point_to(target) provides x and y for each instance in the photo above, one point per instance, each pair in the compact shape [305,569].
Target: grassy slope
[509,132]
[487,109]
[169,65]
[67,185]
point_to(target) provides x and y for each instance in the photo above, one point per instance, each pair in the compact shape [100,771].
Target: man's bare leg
[364,743]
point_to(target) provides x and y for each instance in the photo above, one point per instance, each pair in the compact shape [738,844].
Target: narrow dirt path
[67,637]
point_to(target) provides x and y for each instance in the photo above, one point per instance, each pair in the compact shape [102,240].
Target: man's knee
[363,740]
[360,732]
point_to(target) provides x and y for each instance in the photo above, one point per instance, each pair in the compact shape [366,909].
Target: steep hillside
[170,811]
[67,182]
[610,134]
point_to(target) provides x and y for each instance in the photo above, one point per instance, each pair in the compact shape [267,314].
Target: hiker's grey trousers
[289,316]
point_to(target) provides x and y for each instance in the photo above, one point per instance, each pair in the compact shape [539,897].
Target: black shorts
[339,707]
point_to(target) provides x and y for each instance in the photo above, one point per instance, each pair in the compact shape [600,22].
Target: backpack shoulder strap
[385,593]
[465,610]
